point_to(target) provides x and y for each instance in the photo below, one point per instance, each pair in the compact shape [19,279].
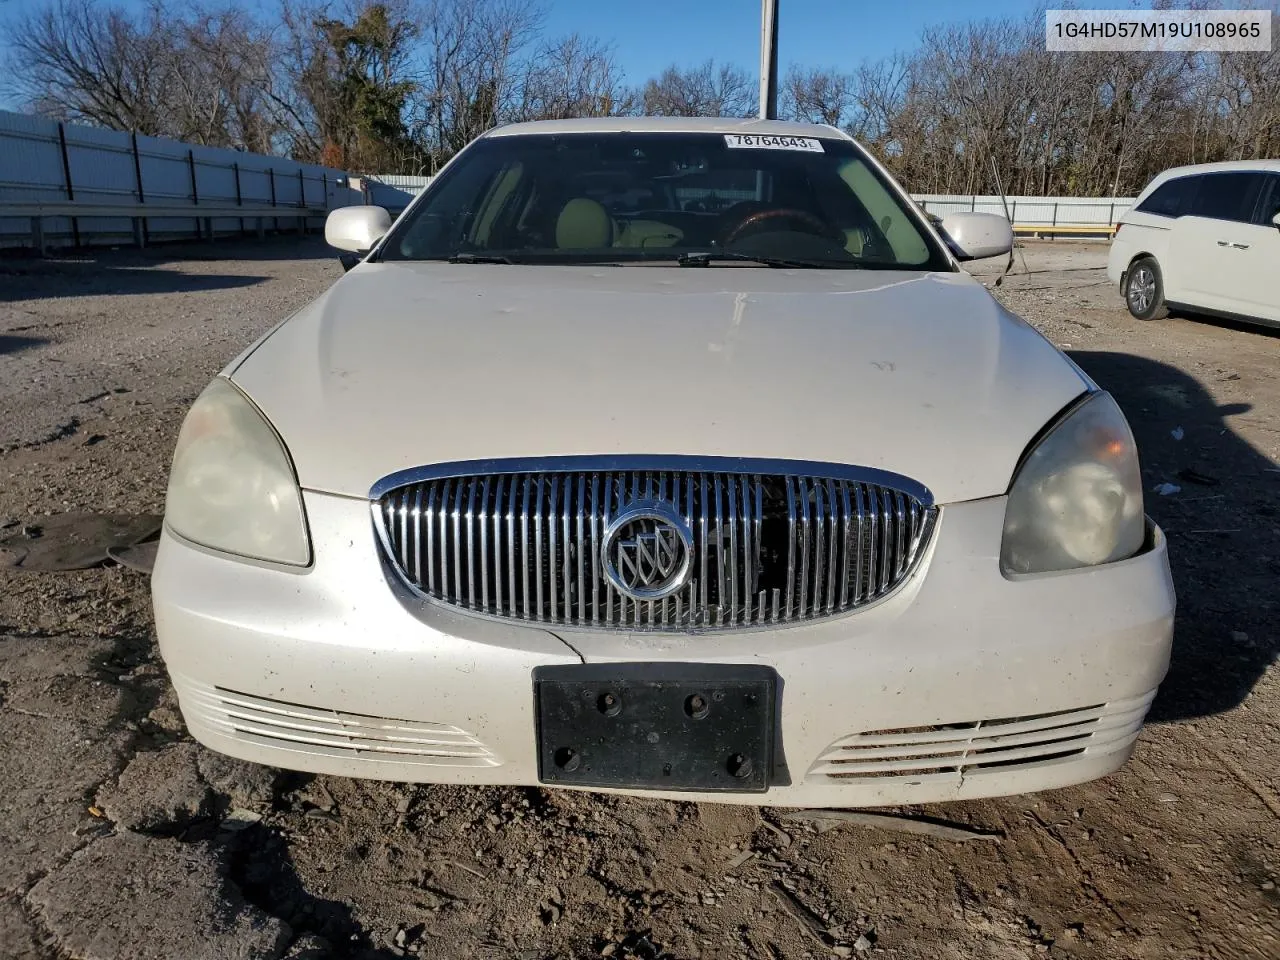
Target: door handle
[1224,243]
[1240,246]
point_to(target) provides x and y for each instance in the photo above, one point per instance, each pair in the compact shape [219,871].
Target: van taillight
[1116,231]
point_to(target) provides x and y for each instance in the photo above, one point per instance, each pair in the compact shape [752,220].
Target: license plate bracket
[656,726]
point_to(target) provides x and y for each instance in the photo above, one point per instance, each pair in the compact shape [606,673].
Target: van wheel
[1144,290]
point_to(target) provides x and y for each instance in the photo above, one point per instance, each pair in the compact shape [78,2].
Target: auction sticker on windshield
[759,141]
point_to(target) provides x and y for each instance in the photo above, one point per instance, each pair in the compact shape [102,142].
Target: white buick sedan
[674,457]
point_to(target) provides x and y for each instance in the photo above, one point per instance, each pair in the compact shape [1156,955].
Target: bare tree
[707,90]
[78,60]
[816,95]
[1053,123]
[192,75]
[217,79]
[471,63]
[574,76]
[1243,96]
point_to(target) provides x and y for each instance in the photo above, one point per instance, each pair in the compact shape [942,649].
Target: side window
[1269,202]
[1227,196]
[1169,199]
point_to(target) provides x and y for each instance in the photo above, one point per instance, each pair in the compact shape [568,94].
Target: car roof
[782,128]
[1223,166]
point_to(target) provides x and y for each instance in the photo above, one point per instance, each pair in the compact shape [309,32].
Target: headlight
[1076,501]
[232,485]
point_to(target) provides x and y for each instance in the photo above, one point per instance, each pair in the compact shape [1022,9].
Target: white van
[1203,238]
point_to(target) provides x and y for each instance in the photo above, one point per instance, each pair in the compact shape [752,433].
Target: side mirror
[356,229]
[1276,220]
[973,236]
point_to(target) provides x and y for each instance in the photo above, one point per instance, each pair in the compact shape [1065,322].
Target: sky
[649,35]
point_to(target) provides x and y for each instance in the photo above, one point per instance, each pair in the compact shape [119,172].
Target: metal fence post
[1055,213]
[302,201]
[271,173]
[973,202]
[195,193]
[66,175]
[1014,212]
[139,223]
[235,166]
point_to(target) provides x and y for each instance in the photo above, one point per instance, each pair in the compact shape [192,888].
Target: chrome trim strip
[792,533]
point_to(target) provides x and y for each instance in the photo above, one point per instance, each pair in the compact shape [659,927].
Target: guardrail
[1037,216]
[85,186]
[139,213]
[1041,230]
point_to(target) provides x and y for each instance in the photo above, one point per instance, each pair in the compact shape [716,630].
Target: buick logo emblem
[647,551]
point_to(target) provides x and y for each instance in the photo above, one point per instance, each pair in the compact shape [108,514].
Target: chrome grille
[767,547]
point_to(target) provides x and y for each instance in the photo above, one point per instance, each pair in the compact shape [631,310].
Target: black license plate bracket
[656,726]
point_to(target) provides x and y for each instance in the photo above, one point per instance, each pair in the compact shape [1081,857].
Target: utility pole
[769,59]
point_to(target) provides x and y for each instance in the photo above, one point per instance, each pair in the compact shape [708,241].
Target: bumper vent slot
[962,750]
[290,726]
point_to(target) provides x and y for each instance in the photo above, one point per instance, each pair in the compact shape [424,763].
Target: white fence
[1029,214]
[391,190]
[45,163]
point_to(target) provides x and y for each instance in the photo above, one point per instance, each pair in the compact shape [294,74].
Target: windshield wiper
[479,258]
[702,258]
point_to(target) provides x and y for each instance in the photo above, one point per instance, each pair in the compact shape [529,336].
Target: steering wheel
[814,223]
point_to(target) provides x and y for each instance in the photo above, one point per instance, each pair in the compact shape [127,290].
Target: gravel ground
[122,838]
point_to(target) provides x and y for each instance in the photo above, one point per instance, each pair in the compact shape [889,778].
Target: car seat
[583,224]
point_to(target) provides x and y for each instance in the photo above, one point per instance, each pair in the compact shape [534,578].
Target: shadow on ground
[90,278]
[260,865]
[12,344]
[1222,528]
[96,272]
[1227,323]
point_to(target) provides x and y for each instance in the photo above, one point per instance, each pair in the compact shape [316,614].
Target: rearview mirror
[977,235]
[356,229]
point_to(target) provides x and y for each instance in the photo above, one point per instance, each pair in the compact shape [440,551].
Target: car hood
[408,364]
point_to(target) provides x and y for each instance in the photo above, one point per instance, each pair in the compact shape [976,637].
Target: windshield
[692,197]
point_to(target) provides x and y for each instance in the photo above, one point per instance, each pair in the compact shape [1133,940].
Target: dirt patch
[1177,855]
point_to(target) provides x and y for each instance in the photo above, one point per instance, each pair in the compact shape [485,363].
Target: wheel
[1144,290]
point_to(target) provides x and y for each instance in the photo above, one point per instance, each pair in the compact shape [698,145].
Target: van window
[1227,196]
[1169,199]
[1269,203]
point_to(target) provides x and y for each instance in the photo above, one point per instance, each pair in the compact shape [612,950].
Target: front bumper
[972,684]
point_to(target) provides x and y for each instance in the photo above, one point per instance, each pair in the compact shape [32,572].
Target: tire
[1144,290]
